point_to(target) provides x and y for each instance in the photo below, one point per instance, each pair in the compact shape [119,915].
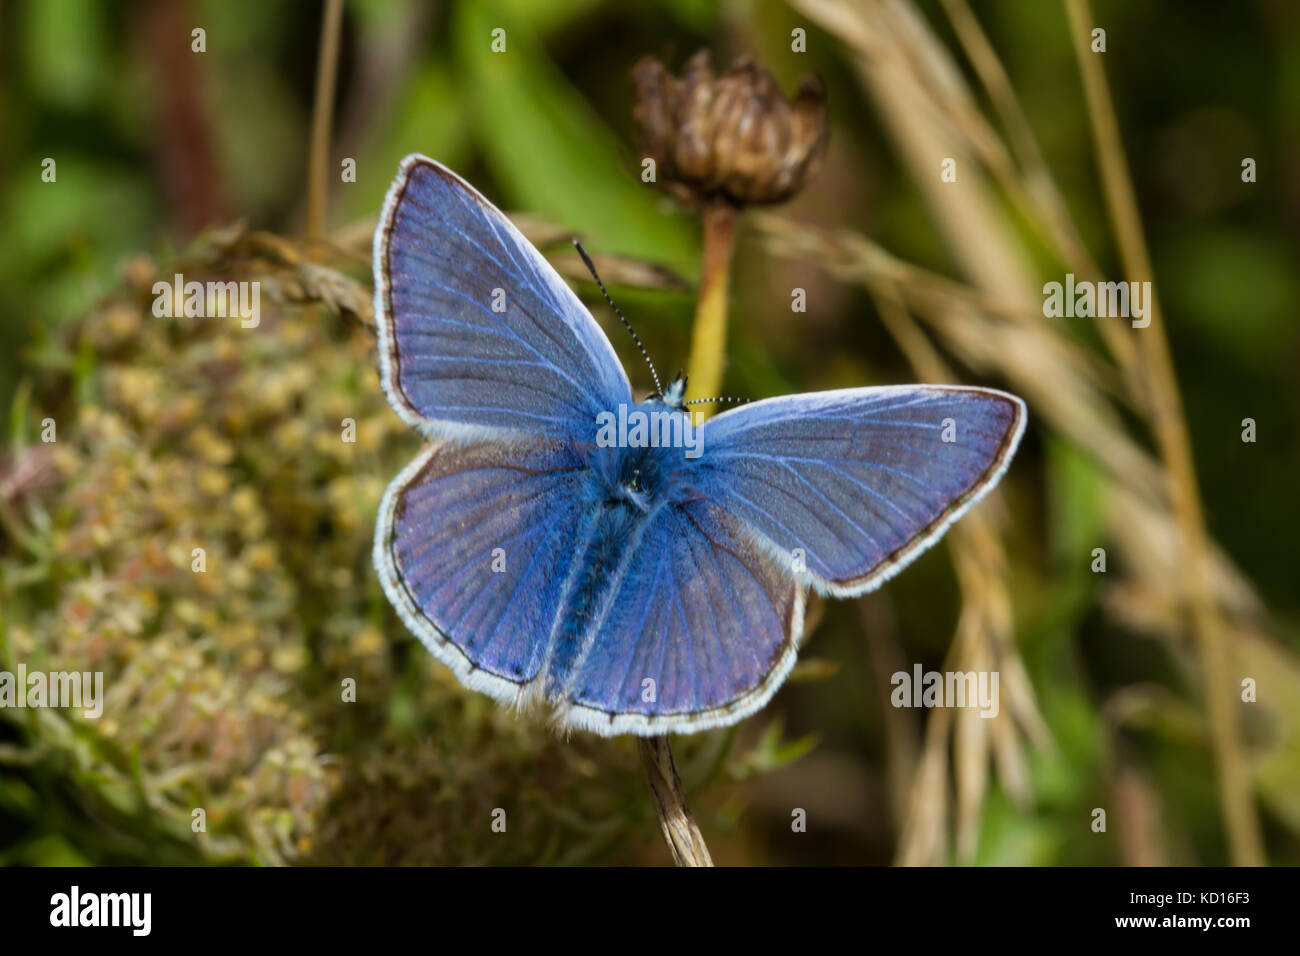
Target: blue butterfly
[628,585]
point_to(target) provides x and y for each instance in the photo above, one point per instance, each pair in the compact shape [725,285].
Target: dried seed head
[732,137]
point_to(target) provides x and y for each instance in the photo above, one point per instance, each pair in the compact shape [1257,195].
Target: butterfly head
[673,396]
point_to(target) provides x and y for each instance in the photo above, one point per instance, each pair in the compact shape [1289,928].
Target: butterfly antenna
[720,398]
[659,389]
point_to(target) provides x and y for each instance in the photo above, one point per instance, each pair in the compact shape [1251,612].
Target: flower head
[733,137]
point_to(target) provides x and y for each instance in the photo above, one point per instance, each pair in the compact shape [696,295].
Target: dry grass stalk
[680,829]
[997,328]
[327,66]
[985,632]
[1170,429]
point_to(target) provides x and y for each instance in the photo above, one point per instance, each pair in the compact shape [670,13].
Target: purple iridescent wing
[846,487]
[475,327]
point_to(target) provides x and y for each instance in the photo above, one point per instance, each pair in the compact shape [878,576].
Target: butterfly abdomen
[613,529]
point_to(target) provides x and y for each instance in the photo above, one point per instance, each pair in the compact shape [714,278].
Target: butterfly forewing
[849,486]
[476,328]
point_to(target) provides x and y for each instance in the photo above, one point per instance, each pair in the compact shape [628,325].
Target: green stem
[709,337]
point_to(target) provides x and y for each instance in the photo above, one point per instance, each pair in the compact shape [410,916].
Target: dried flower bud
[731,137]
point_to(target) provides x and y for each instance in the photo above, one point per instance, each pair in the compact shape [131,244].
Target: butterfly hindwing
[466,546]
[475,327]
[701,631]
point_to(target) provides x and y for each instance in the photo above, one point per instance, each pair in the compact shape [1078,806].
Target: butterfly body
[559,543]
[610,535]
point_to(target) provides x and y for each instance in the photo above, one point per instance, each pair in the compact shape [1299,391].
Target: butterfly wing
[701,631]
[483,348]
[837,490]
[475,327]
[466,546]
[847,487]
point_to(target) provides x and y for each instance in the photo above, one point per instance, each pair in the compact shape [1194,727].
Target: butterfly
[552,553]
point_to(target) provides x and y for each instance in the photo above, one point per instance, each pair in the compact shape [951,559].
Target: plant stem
[1170,427]
[680,829]
[709,337]
[327,64]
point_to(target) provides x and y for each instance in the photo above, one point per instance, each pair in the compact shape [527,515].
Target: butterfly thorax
[643,454]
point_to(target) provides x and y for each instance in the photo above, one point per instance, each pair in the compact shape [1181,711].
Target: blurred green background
[228,696]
